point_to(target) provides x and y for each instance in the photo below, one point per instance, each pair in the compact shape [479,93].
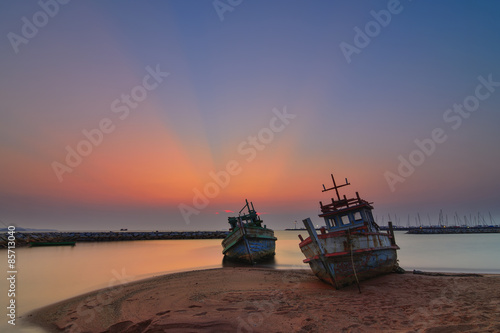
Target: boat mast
[335,187]
[246,205]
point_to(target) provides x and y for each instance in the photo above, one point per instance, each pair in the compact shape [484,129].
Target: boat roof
[342,205]
[327,211]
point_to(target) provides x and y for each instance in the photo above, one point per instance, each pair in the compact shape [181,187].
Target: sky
[167,115]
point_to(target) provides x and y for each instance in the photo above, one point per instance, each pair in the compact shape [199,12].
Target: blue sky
[225,79]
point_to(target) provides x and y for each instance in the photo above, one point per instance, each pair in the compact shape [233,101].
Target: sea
[46,275]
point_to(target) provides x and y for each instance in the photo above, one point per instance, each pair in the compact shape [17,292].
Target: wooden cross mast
[335,187]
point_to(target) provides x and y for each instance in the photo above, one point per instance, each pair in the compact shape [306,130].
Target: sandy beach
[267,300]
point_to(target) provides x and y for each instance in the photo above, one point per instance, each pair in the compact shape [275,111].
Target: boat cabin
[343,213]
[251,219]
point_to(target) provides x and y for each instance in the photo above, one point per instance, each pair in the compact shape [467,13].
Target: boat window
[345,219]
[332,222]
[357,216]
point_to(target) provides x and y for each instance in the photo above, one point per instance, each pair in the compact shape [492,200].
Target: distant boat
[248,241]
[350,247]
[298,229]
[36,244]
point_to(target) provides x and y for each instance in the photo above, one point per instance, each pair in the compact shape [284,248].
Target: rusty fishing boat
[350,247]
[249,240]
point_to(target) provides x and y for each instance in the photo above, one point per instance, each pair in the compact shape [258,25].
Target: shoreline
[268,300]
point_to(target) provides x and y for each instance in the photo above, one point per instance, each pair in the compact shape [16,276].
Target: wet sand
[267,300]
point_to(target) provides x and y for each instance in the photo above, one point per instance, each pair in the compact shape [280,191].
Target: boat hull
[372,254]
[260,242]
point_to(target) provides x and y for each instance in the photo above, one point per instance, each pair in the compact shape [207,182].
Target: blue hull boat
[248,241]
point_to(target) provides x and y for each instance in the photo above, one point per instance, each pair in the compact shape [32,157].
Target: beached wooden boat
[248,241]
[350,247]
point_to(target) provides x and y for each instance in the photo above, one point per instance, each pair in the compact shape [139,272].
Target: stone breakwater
[25,238]
[454,230]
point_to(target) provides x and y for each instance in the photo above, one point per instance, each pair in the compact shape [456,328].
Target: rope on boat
[352,260]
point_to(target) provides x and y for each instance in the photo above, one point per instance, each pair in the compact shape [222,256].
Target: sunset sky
[164,115]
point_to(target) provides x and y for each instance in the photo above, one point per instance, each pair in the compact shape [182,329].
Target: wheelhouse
[346,213]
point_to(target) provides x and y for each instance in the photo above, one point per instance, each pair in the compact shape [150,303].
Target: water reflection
[267,263]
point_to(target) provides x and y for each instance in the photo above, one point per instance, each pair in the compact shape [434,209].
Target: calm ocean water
[50,274]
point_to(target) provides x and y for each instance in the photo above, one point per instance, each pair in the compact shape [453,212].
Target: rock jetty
[25,238]
[454,230]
